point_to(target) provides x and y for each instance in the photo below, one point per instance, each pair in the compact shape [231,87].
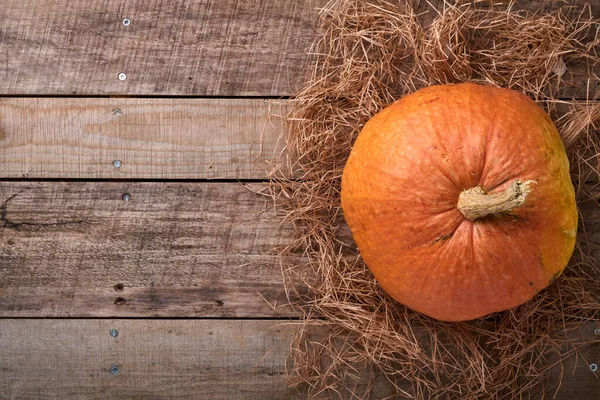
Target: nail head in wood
[126,197]
[117,112]
[114,369]
[593,367]
[114,333]
[117,163]
[597,331]
[126,22]
[122,76]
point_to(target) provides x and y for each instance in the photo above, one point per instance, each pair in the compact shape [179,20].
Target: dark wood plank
[208,47]
[577,380]
[77,249]
[183,47]
[152,138]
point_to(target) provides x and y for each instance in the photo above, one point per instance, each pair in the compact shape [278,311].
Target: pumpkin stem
[475,203]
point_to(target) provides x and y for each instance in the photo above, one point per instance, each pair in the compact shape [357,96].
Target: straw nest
[369,54]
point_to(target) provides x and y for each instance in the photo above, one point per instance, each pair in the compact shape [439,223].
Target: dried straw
[370,53]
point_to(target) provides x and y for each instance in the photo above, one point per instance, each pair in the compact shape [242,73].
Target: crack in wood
[17,226]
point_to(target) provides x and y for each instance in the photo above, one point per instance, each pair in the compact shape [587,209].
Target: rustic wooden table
[135,254]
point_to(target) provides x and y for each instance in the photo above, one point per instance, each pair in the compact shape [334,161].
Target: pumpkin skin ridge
[439,164]
[354,196]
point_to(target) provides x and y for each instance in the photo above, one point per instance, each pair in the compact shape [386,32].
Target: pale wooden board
[207,47]
[156,138]
[189,359]
[178,249]
[153,138]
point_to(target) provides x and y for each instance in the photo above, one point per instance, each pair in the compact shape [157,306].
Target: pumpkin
[460,201]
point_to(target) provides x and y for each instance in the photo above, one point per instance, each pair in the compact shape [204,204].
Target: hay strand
[370,53]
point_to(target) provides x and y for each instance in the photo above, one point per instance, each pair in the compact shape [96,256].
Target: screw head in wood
[117,112]
[114,369]
[126,197]
[122,76]
[114,333]
[117,163]
[593,367]
[126,22]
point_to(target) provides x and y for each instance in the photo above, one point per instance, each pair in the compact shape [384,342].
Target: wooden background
[184,270]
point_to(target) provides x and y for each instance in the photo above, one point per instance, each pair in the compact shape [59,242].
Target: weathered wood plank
[153,138]
[577,381]
[184,47]
[168,359]
[160,359]
[208,47]
[77,249]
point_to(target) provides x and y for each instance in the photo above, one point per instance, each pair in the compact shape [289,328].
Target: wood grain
[206,47]
[189,359]
[153,138]
[182,48]
[162,359]
[77,249]
[69,138]
[572,379]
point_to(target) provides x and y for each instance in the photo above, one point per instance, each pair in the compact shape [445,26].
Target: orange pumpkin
[460,200]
